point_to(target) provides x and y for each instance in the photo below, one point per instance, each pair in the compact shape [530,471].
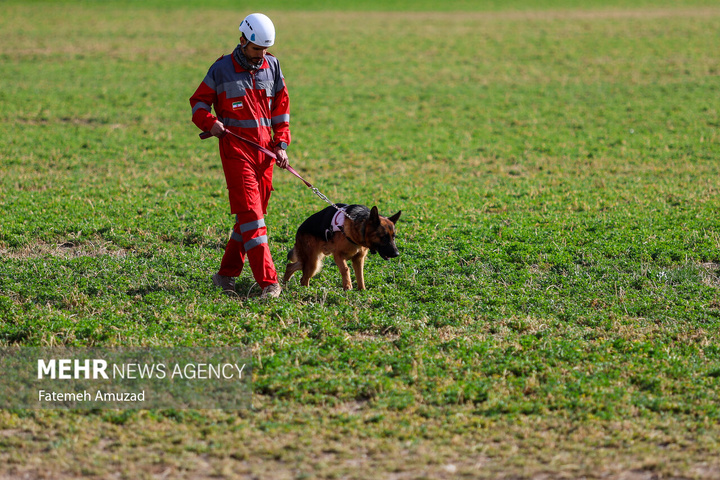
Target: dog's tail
[291,256]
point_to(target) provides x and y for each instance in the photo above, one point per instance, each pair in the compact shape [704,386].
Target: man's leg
[234,257]
[253,231]
[249,192]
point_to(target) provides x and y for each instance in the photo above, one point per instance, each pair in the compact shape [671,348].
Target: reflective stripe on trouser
[249,237]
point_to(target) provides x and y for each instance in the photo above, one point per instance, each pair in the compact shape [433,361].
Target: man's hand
[218,129]
[282,160]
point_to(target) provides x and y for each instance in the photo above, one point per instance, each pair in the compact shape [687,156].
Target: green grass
[556,306]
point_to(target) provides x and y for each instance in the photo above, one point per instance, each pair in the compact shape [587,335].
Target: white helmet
[259,29]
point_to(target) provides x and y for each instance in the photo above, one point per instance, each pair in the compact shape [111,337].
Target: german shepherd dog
[348,232]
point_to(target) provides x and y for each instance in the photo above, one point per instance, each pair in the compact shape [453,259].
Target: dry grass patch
[69,249]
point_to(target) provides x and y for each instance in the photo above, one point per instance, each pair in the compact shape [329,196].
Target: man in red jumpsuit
[248,93]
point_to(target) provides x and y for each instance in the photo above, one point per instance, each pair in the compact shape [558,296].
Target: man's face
[254,53]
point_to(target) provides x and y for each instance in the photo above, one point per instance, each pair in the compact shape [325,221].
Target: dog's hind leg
[293,265]
[290,269]
[310,267]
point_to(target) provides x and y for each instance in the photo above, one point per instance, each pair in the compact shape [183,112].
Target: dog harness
[336,224]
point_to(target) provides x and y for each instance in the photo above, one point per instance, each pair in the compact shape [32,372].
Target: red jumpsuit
[254,105]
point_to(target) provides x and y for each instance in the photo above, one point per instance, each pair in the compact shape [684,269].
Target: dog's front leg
[358,262]
[344,271]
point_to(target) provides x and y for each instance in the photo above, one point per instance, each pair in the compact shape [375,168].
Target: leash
[290,169]
[270,154]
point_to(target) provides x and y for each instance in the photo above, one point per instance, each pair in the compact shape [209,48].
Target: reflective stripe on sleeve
[281,119]
[200,106]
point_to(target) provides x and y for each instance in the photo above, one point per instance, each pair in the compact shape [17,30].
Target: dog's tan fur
[377,233]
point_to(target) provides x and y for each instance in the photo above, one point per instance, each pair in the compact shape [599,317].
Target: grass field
[554,313]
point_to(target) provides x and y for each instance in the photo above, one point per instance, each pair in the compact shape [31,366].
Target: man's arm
[280,120]
[201,103]
[280,114]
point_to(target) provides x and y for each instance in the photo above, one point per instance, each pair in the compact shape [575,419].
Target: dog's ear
[395,217]
[374,215]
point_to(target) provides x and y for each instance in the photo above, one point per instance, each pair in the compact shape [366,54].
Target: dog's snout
[388,251]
